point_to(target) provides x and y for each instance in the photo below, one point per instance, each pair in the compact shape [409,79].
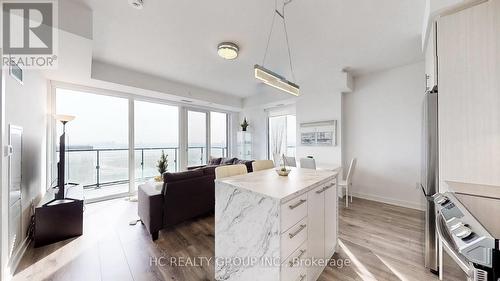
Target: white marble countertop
[270,184]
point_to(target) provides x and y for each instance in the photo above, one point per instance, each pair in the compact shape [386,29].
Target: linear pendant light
[274,80]
[269,77]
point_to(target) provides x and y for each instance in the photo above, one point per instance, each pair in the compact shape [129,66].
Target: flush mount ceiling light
[228,50]
[138,4]
[269,77]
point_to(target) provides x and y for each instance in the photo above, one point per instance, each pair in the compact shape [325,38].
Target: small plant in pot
[162,166]
[244,125]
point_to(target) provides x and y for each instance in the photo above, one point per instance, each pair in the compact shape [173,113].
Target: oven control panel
[468,236]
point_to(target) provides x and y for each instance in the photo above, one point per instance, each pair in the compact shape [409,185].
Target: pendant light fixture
[269,77]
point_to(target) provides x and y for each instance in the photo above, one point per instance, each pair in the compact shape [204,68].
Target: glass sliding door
[156,131]
[97,142]
[100,153]
[218,134]
[197,138]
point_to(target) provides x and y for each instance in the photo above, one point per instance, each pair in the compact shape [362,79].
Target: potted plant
[162,166]
[244,125]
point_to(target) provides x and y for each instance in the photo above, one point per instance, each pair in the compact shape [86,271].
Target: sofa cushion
[214,161]
[209,170]
[228,161]
[173,177]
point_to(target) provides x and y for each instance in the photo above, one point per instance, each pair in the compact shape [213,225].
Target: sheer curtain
[277,137]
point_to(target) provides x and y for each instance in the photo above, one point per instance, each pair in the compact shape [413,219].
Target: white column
[131,146]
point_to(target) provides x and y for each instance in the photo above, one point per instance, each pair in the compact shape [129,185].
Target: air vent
[187,101]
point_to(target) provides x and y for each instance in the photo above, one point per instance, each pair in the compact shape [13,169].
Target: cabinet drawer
[293,238]
[291,268]
[293,211]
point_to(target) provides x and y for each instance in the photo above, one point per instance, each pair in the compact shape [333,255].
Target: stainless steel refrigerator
[430,177]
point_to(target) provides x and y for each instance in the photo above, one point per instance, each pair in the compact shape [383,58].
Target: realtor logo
[28,33]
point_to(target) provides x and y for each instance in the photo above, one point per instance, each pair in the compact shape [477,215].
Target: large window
[282,136]
[100,155]
[218,134]
[156,131]
[197,138]
[96,141]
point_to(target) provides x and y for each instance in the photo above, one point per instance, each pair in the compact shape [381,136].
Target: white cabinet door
[330,220]
[469,95]
[316,229]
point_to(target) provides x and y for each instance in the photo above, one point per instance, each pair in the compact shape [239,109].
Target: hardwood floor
[381,242]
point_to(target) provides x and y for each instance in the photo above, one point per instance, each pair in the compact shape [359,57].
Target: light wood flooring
[381,241]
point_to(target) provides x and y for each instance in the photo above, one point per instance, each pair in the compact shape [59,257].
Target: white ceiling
[177,40]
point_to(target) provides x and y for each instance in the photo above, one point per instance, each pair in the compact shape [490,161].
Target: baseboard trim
[18,254]
[108,197]
[391,201]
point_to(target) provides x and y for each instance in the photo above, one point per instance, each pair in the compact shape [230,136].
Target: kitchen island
[269,227]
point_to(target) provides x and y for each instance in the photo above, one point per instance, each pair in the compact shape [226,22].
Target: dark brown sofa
[184,195]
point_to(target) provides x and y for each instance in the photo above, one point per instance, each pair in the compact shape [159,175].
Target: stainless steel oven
[454,266]
[468,251]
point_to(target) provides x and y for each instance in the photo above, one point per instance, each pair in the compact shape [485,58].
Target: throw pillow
[214,161]
[228,161]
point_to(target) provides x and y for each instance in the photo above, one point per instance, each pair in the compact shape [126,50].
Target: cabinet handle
[329,186]
[302,277]
[322,190]
[325,188]
[291,263]
[302,226]
[297,204]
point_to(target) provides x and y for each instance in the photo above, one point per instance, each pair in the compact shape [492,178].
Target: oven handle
[464,265]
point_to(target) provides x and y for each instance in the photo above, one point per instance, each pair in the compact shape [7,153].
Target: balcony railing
[95,168]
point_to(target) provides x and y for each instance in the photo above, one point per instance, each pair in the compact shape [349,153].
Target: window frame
[227,131]
[183,109]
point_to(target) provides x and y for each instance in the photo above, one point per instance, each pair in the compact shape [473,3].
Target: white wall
[382,128]
[320,106]
[26,106]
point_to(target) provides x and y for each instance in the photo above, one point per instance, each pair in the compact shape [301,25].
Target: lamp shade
[64,118]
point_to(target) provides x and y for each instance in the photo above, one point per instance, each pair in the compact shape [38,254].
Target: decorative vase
[283,173]
[283,170]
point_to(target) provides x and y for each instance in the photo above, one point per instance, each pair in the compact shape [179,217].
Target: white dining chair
[259,165]
[230,170]
[290,161]
[308,163]
[347,183]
